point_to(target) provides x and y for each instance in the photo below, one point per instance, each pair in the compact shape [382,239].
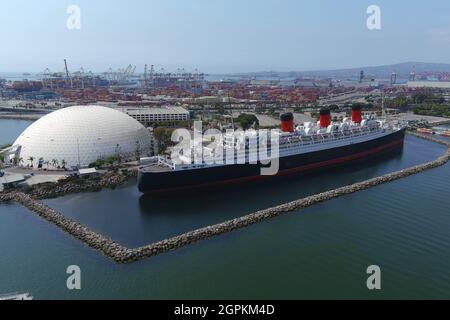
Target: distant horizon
[138,71]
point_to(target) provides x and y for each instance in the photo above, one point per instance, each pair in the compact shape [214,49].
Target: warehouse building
[157,114]
[429,84]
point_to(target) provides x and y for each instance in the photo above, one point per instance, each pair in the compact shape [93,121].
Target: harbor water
[10,129]
[319,252]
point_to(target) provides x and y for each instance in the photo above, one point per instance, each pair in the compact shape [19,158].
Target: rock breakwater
[122,254]
[77,185]
[96,241]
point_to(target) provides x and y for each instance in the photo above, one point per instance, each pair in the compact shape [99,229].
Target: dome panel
[82,134]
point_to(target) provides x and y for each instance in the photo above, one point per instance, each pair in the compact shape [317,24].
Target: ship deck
[155,168]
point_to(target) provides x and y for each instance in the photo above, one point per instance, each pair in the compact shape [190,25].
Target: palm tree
[55,163]
[31,159]
[40,163]
[118,153]
[138,150]
[63,163]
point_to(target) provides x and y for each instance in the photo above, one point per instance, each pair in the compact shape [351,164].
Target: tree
[419,97]
[398,102]
[138,150]
[163,137]
[439,110]
[111,159]
[41,161]
[31,159]
[55,163]
[118,157]
[97,163]
[247,120]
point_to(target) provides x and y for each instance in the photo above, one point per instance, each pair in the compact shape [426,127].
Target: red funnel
[356,114]
[325,118]
[287,122]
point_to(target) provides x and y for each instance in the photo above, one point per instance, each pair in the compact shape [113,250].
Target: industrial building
[157,114]
[75,137]
[429,84]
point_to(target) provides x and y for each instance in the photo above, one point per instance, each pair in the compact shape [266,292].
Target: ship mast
[231,110]
[383,108]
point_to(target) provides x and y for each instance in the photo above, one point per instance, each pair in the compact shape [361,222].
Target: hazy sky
[221,35]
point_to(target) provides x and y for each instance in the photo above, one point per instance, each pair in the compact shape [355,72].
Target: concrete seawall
[122,254]
[13,116]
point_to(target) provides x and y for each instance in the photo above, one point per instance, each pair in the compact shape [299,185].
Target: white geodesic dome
[81,135]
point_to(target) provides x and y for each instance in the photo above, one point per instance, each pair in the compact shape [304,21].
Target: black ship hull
[187,180]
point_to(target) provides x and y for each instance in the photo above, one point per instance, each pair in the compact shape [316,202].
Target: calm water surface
[11,129]
[320,252]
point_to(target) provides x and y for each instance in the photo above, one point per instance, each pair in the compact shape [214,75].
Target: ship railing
[331,137]
[166,162]
[301,141]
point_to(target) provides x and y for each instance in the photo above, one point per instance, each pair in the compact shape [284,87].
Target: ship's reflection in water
[238,195]
[214,205]
[134,219]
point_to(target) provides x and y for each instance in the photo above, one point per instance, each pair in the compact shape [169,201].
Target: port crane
[120,74]
[412,75]
[68,78]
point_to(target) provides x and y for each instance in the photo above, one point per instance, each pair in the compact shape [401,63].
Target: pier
[122,254]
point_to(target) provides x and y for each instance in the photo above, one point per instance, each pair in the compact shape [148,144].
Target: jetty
[122,254]
[15,297]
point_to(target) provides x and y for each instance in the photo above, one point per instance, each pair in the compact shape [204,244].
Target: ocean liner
[301,149]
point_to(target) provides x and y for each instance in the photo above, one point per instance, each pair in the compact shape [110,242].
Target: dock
[16,297]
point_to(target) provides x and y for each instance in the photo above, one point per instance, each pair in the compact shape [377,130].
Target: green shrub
[247,120]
